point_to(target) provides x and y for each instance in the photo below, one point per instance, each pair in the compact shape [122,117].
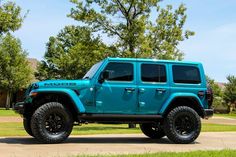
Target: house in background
[18,96]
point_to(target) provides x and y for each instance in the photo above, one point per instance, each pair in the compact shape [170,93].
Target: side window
[153,73]
[186,74]
[120,71]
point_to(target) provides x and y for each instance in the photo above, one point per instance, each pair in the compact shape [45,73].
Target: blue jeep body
[137,91]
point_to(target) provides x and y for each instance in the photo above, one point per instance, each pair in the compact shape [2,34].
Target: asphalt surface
[111,144]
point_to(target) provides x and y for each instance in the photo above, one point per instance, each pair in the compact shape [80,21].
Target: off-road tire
[26,123]
[154,131]
[192,124]
[39,123]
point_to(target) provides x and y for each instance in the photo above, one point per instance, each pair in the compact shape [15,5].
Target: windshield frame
[93,70]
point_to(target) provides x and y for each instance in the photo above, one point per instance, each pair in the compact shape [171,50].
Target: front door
[153,87]
[118,94]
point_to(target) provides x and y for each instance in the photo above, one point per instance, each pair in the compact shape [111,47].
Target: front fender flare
[70,93]
[180,95]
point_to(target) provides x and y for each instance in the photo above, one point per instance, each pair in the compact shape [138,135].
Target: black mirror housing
[104,76]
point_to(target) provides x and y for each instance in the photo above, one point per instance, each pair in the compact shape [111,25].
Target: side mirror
[105,75]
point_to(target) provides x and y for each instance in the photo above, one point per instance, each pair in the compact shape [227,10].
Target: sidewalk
[7,119]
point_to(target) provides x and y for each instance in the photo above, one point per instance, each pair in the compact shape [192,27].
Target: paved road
[111,144]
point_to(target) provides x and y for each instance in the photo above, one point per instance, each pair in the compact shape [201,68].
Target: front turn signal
[33,94]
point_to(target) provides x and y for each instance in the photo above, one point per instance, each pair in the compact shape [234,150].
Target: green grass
[104,129]
[10,112]
[233,115]
[221,153]
[4,112]
[218,128]
[16,129]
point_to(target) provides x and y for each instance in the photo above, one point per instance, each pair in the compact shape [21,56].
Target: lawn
[10,112]
[233,115]
[221,153]
[4,112]
[16,129]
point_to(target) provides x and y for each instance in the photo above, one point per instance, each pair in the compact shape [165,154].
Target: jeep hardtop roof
[152,60]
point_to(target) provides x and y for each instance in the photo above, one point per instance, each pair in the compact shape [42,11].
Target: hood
[71,84]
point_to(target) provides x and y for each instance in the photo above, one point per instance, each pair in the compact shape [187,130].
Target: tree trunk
[234,106]
[8,101]
[230,108]
[131,50]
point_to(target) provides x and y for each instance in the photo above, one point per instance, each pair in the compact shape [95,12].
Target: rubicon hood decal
[60,84]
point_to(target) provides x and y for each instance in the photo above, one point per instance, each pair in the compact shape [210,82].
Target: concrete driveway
[111,144]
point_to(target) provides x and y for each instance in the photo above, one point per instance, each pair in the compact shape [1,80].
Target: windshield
[92,71]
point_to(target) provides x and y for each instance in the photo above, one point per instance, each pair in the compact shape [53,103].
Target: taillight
[209,95]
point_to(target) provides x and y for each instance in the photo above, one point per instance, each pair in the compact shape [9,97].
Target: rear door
[187,78]
[153,87]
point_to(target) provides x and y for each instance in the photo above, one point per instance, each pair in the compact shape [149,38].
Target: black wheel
[182,125]
[51,123]
[26,123]
[154,131]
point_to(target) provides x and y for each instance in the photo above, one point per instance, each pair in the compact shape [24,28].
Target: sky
[213,21]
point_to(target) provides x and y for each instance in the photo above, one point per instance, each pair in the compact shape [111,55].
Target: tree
[10,21]
[71,53]
[217,93]
[10,17]
[15,72]
[129,21]
[230,92]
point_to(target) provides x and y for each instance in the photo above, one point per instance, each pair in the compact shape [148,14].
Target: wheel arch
[190,101]
[69,99]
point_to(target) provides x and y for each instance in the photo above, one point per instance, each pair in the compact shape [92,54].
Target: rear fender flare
[180,95]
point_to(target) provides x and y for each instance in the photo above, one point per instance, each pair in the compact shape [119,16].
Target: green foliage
[218,93]
[10,17]
[215,87]
[230,92]
[15,72]
[129,21]
[71,53]
[167,32]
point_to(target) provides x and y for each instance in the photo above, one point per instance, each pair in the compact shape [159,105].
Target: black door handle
[129,89]
[161,90]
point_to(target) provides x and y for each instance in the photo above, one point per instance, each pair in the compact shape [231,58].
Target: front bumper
[208,113]
[19,107]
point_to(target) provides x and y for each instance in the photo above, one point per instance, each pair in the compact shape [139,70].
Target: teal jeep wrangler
[167,98]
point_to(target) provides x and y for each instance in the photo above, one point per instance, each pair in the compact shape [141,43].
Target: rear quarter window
[186,74]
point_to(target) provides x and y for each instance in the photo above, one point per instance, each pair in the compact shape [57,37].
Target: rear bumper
[19,107]
[208,113]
